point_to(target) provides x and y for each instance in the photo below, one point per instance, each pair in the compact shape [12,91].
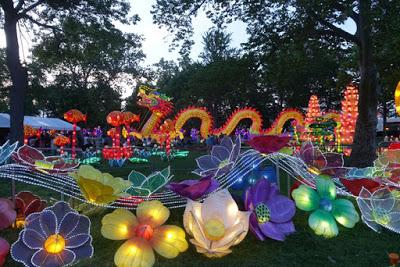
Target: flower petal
[169,240]
[269,229]
[77,240]
[365,208]
[323,223]
[60,209]
[48,222]
[286,228]
[325,187]
[281,209]
[118,225]
[254,227]
[207,162]
[42,258]
[153,213]
[33,239]
[82,227]
[135,252]
[306,198]
[234,234]
[84,251]
[220,205]
[68,223]
[345,213]
[258,193]
[220,152]
[372,224]
[227,143]
[192,222]
[20,252]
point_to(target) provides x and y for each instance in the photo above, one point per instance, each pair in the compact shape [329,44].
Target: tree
[88,64]
[216,44]
[45,14]
[270,23]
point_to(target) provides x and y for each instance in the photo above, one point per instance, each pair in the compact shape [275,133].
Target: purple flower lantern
[56,236]
[194,189]
[272,213]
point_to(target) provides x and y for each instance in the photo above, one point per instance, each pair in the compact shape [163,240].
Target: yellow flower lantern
[144,233]
[98,187]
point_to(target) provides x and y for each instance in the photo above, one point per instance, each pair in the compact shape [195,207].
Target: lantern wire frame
[294,166]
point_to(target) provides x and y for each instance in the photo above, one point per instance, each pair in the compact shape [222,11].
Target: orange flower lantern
[129,118]
[61,141]
[116,119]
[74,116]
[28,132]
[168,128]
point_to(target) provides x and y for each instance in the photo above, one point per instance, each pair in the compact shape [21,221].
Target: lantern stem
[73,140]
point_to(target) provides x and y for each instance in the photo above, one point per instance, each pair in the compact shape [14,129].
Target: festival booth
[38,123]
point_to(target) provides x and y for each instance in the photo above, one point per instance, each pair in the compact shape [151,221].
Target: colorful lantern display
[325,207]
[143,232]
[74,116]
[61,141]
[57,236]
[349,115]
[313,112]
[129,118]
[216,224]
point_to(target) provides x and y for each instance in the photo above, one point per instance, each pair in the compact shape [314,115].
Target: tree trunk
[364,146]
[19,75]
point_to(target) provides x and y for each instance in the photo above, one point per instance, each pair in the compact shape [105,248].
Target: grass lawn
[353,247]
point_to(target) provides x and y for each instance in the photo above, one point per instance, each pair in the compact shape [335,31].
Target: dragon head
[156,102]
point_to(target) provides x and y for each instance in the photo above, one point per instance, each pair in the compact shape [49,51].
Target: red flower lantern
[27,203]
[74,116]
[116,119]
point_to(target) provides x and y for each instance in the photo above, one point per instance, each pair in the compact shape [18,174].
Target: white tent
[39,122]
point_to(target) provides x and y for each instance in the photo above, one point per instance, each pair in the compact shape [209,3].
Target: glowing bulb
[123,229]
[170,235]
[54,244]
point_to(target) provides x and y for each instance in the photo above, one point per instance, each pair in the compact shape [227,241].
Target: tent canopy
[39,122]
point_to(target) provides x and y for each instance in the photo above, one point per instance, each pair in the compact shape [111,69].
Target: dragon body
[160,106]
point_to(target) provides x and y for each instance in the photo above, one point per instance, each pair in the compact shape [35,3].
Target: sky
[156,40]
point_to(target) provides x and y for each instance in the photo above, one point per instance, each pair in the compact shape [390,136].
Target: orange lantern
[129,118]
[61,141]
[74,116]
[116,118]
[28,132]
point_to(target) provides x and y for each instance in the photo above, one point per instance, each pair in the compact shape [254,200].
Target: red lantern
[74,116]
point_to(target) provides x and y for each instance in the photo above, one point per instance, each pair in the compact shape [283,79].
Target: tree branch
[33,6]
[348,11]
[339,32]
[20,4]
[25,16]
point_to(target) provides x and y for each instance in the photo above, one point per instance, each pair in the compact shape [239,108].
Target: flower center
[262,213]
[144,231]
[381,216]
[223,163]
[214,229]
[326,204]
[54,244]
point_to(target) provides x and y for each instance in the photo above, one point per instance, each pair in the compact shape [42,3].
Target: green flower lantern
[326,209]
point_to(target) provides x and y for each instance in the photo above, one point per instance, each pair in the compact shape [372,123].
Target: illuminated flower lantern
[397,98]
[7,213]
[27,203]
[116,119]
[98,187]
[325,207]
[349,116]
[271,214]
[313,112]
[143,232]
[57,236]
[28,132]
[167,130]
[4,250]
[74,116]
[129,118]
[61,141]
[216,224]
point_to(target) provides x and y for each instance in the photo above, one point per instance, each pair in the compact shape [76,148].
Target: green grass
[353,247]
